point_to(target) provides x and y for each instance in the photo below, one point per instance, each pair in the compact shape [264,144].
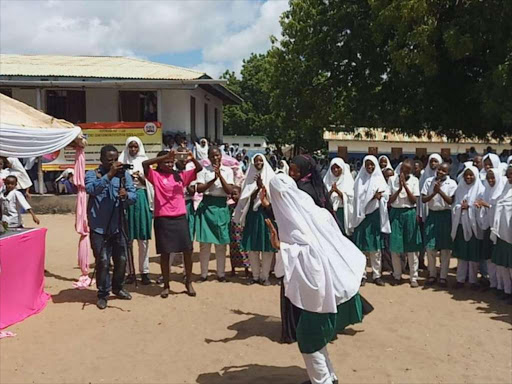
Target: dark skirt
[172,234]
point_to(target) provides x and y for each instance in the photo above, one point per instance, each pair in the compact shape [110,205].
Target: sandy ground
[230,333]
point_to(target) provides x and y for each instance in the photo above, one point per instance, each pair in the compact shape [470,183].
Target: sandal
[165,293]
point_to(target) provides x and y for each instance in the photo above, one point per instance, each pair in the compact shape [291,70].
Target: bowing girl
[371,194]
[405,231]
[437,194]
[466,232]
[250,214]
[340,184]
[212,215]
[140,215]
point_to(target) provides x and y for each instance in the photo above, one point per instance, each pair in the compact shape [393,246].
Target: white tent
[27,132]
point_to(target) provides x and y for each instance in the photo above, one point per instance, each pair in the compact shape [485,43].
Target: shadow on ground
[255,374]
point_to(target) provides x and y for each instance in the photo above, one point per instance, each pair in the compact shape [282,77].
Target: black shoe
[443,283]
[459,285]
[123,295]
[203,279]
[265,283]
[145,279]
[252,282]
[394,282]
[379,282]
[363,282]
[506,296]
[221,279]
[130,279]
[430,281]
[101,303]
[475,287]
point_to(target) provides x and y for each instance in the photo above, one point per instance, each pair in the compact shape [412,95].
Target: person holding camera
[172,230]
[109,187]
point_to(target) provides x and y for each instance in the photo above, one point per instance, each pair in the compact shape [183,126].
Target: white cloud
[224,31]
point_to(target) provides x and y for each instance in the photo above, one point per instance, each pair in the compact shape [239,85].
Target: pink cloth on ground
[81,223]
[169,196]
[6,334]
[22,278]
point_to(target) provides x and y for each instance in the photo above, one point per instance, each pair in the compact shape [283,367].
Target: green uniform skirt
[340,214]
[316,330]
[502,254]
[256,236]
[438,228]
[405,231]
[487,245]
[367,235]
[212,220]
[467,250]
[140,217]
[191,217]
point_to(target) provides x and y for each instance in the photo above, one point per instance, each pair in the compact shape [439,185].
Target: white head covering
[496,163]
[345,184]
[249,186]
[388,166]
[365,187]
[468,218]
[65,174]
[509,160]
[202,152]
[321,267]
[428,171]
[502,226]
[283,167]
[490,195]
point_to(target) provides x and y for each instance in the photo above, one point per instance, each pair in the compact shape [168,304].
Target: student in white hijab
[371,194]
[466,232]
[283,167]
[140,216]
[489,161]
[251,216]
[493,188]
[502,235]
[437,194]
[202,150]
[340,185]
[322,271]
[434,161]
[384,163]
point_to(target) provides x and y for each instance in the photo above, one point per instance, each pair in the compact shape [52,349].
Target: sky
[207,35]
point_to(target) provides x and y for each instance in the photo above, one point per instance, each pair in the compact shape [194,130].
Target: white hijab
[283,167]
[388,166]
[468,218]
[502,226]
[249,186]
[202,152]
[496,163]
[491,195]
[509,161]
[365,187]
[428,172]
[321,267]
[345,184]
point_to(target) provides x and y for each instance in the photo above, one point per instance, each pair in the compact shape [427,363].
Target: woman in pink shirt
[172,232]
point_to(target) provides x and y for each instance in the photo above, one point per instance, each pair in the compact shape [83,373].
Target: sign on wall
[100,134]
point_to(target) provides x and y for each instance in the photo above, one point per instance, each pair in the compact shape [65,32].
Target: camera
[127,167]
[181,156]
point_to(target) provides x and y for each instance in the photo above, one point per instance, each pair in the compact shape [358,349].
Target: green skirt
[467,250]
[191,217]
[367,235]
[212,220]
[438,228]
[316,330]
[405,232]
[487,245]
[502,254]
[340,214]
[256,236]
[140,217]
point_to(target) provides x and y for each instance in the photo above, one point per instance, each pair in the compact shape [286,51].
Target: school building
[363,141]
[89,89]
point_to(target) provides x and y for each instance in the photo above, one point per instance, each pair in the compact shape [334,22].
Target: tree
[409,65]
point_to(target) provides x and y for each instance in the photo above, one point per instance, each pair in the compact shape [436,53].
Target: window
[206,133]
[6,91]
[216,124]
[67,105]
[446,153]
[193,118]
[373,151]
[420,152]
[257,145]
[138,106]
[247,145]
[396,153]
[343,153]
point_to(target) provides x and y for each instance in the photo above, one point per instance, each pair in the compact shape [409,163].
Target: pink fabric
[6,334]
[22,278]
[169,194]
[81,223]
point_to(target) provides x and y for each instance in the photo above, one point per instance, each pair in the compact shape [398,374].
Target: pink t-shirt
[169,199]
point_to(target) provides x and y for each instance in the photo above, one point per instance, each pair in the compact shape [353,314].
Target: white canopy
[27,132]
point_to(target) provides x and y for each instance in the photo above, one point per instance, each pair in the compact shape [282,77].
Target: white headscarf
[428,172]
[249,186]
[490,196]
[202,152]
[365,187]
[283,167]
[502,226]
[509,160]
[321,267]
[137,161]
[496,163]
[388,166]
[468,218]
[345,184]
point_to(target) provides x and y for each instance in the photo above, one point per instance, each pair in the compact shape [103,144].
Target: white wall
[101,104]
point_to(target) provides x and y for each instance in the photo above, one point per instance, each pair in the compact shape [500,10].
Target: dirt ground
[230,333]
